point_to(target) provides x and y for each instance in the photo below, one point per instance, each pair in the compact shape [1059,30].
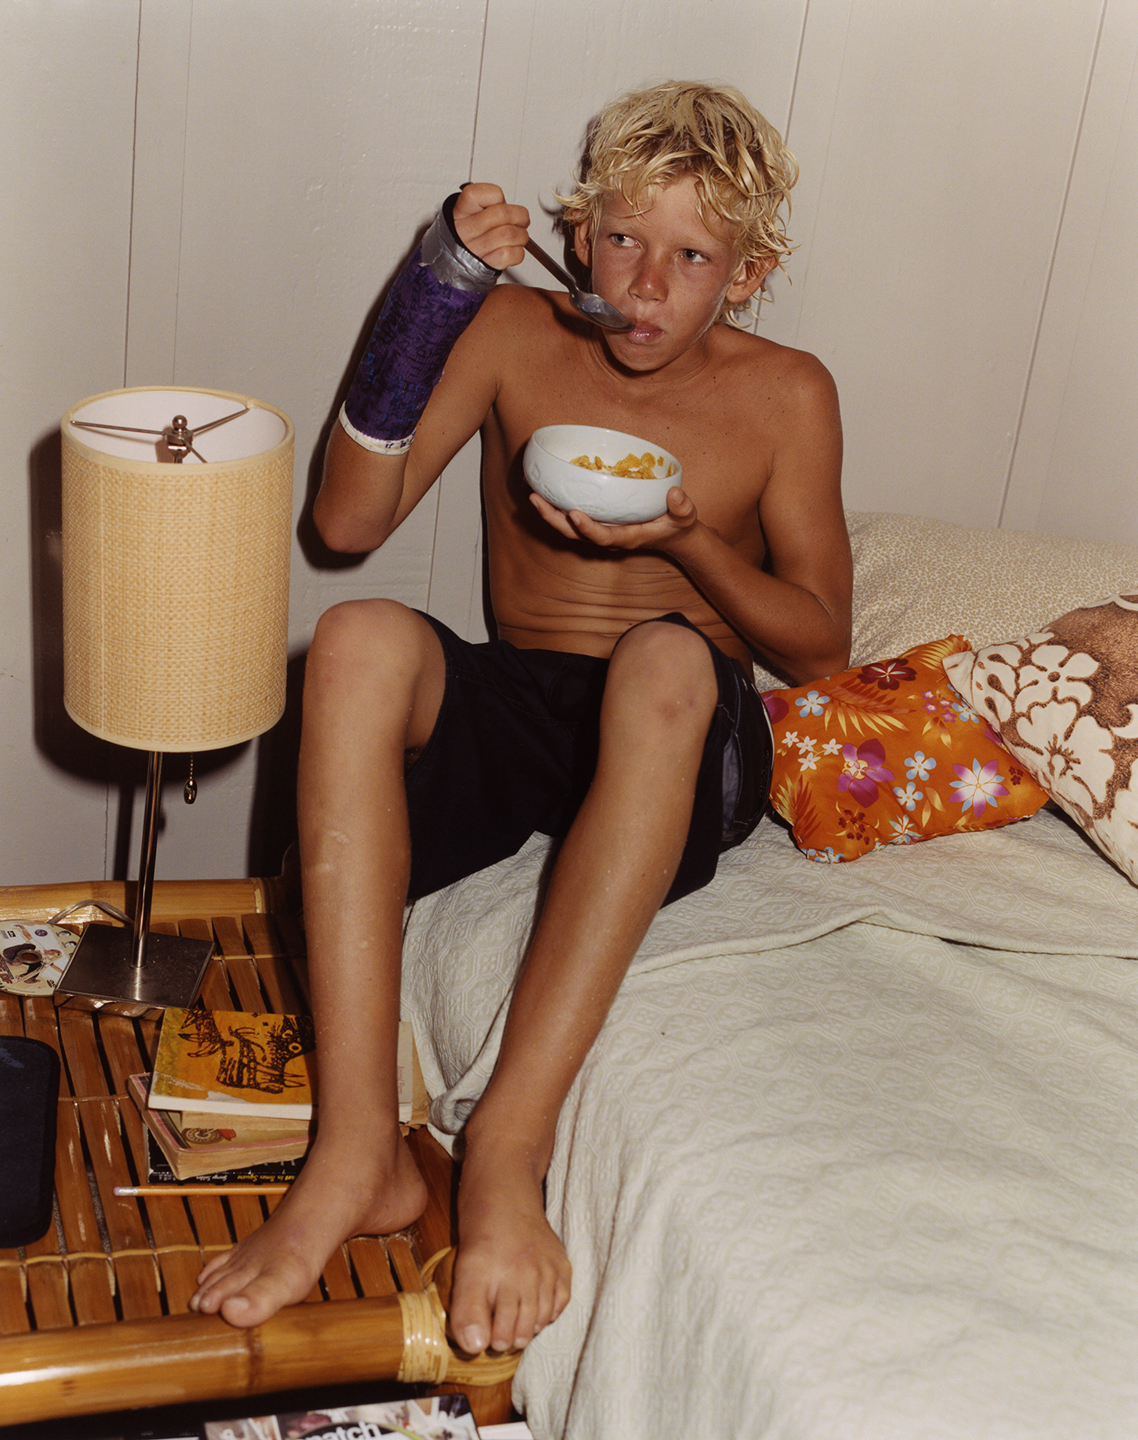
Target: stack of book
[232,1095]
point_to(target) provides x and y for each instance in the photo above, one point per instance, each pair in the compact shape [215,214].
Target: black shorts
[514,750]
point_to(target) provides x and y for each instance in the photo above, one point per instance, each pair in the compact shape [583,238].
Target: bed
[855,1153]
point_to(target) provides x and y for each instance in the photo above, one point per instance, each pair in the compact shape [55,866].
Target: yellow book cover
[235,1062]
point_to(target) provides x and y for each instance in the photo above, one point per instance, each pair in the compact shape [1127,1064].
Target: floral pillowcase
[1065,701]
[888,754]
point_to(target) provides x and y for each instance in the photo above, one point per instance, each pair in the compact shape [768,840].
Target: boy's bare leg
[373,685]
[612,874]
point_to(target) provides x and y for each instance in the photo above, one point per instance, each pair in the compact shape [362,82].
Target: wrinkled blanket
[854,1155]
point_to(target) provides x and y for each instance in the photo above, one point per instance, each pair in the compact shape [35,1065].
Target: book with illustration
[234,1062]
[254,1064]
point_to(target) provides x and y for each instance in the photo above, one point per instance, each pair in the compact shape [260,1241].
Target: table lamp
[177,513]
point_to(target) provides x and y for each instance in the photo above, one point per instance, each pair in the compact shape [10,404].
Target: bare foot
[511,1275]
[333,1198]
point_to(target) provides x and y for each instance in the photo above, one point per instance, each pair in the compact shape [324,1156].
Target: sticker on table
[33,957]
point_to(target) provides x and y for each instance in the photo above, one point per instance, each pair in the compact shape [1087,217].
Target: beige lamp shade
[175,576]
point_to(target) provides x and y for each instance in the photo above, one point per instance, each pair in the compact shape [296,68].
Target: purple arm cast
[433,300]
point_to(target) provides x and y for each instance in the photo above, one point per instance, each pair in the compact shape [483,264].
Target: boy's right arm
[374,472]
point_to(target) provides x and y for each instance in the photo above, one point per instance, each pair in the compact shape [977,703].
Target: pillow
[886,754]
[915,578]
[1065,701]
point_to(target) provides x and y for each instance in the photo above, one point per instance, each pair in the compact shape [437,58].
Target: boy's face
[666,270]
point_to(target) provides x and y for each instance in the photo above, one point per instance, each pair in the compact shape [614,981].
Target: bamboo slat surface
[120,1269]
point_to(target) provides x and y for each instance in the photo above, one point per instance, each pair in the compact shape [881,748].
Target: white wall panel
[936,141]
[1076,465]
[156,202]
[317,139]
[66,123]
[550,64]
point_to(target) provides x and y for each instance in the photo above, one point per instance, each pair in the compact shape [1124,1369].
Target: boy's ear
[749,278]
[583,244]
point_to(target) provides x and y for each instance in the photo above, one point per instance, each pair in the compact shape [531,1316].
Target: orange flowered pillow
[887,754]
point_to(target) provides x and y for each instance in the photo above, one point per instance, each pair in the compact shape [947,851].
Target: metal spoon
[590,305]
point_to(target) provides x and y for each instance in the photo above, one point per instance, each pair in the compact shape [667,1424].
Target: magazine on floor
[431,1417]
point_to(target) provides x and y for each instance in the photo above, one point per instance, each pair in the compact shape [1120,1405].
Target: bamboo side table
[94,1318]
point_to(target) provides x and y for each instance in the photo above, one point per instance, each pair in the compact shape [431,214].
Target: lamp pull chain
[190,793]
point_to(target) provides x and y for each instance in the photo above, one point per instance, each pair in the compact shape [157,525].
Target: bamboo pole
[51,1375]
[173,899]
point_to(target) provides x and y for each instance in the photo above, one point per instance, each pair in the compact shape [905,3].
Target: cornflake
[632,467]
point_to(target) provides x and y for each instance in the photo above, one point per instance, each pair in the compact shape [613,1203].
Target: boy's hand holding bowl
[613,499]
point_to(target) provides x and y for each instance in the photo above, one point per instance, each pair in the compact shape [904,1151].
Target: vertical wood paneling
[317,140]
[156,201]
[550,64]
[315,149]
[942,136]
[1076,462]
[66,124]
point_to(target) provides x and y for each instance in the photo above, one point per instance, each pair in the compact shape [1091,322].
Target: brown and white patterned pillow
[1065,702]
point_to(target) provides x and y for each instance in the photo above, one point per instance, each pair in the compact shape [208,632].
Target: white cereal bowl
[613,499]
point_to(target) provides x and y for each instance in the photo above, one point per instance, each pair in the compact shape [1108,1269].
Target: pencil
[200,1189]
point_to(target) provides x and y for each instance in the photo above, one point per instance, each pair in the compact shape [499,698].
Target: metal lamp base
[102,968]
[140,967]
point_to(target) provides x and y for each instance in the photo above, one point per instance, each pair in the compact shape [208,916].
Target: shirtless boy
[677,217]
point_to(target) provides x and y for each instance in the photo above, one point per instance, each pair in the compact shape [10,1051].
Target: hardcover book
[199,1145]
[159,1171]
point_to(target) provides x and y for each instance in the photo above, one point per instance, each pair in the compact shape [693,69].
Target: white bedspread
[855,1154]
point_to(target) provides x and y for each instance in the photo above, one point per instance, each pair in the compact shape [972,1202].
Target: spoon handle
[599,311]
[552,266]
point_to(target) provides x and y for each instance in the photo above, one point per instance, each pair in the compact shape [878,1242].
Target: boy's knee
[360,626]
[667,668]
[360,636]
[666,648]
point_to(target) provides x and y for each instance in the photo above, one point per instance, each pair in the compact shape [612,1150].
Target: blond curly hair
[743,170]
